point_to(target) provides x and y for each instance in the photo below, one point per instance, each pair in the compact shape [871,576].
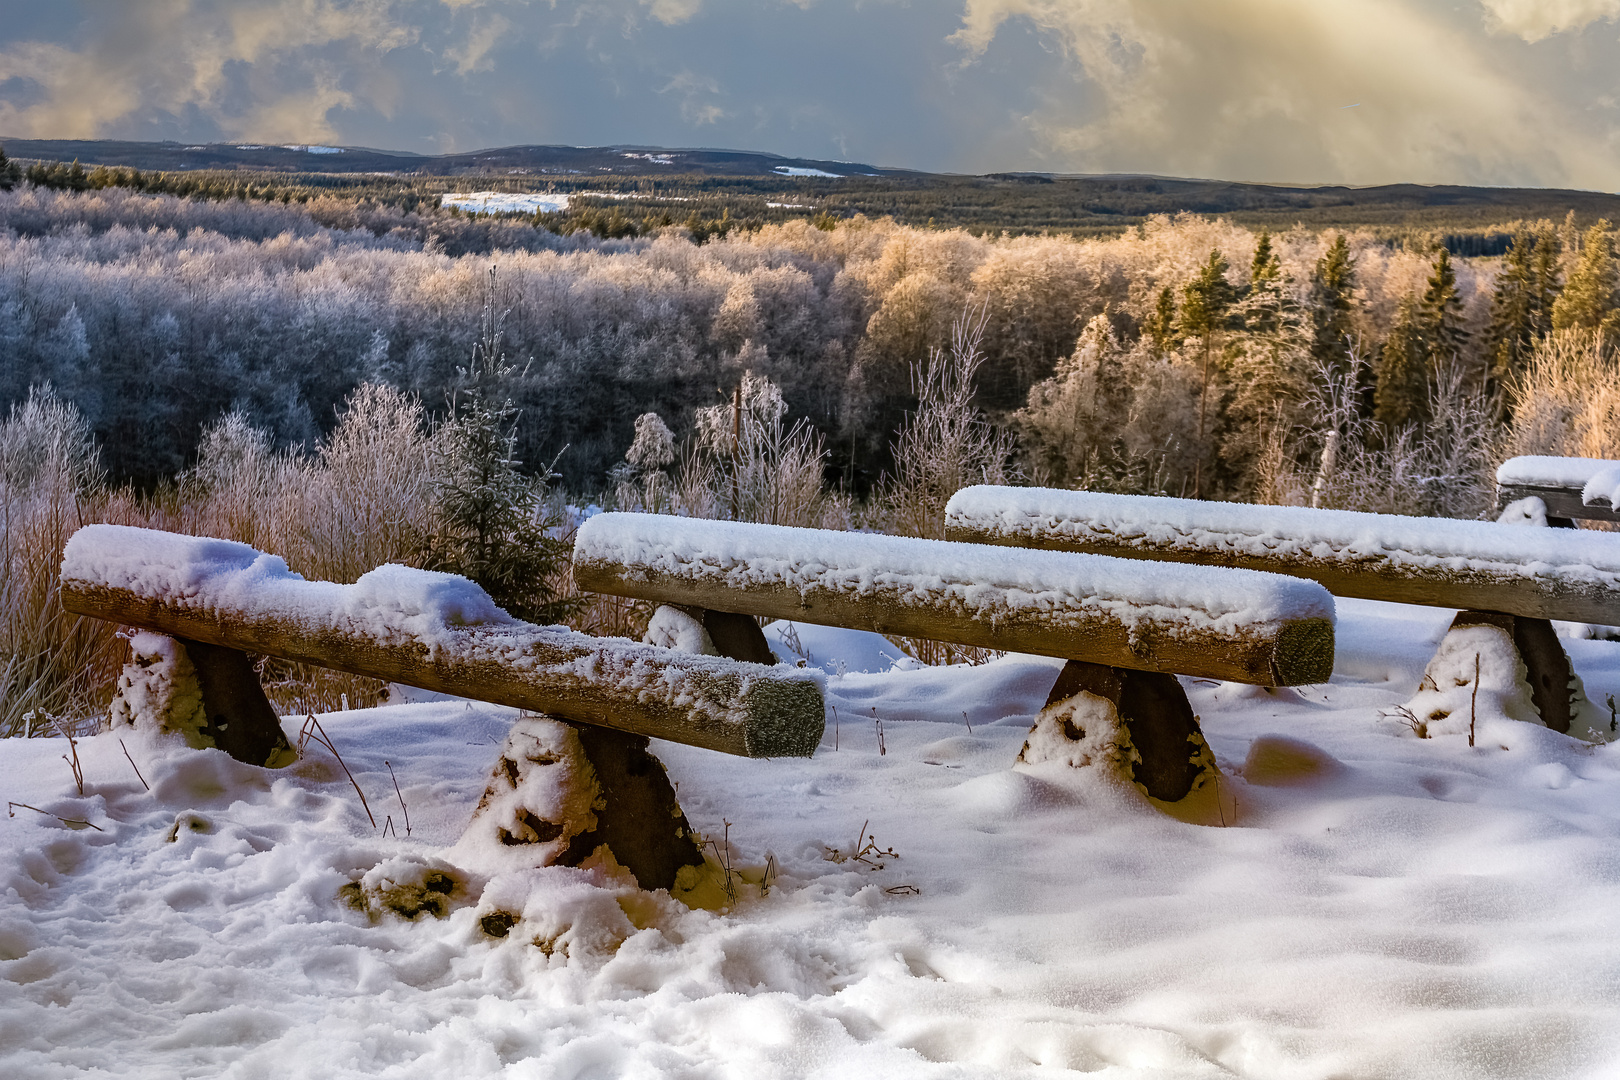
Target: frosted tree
[641,481]
[946,444]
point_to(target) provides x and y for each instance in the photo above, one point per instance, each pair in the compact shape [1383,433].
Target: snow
[1289,533]
[789,170]
[506,202]
[988,583]
[314,149]
[1598,478]
[1383,905]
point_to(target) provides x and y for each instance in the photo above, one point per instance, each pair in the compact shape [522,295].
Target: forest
[328,377]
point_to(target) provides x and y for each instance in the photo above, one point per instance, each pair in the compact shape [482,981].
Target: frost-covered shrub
[746,463]
[946,444]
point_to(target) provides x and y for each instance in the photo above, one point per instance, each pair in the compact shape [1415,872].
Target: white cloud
[671,12]
[1255,89]
[1536,19]
[246,64]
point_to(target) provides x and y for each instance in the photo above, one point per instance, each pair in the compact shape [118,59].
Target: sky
[1497,92]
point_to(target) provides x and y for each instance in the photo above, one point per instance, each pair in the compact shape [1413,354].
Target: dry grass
[1566,402]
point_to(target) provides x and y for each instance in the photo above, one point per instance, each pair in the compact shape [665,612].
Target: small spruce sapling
[494,525]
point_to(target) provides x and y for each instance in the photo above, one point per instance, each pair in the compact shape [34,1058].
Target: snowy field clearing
[1389,907]
[506,202]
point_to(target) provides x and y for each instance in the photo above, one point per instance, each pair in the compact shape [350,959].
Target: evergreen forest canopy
[1381,366]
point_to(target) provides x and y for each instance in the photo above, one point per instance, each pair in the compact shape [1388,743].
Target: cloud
[692,88]
[474,53]
[1255,89]
[671,12]
[1534,20]
[1499,92]
[251,66]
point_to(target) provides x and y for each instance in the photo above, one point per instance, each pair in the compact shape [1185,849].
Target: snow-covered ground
[1382,906]
[506,202]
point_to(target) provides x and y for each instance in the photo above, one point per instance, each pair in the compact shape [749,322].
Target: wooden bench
[223,601]
[1517,579]
[1125,628]
[1570,489]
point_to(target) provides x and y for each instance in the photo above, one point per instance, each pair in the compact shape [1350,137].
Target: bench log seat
[1126,629]
[223,600]
[1571,489]
[1530,575]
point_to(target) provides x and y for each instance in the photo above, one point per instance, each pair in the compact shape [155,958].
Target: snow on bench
[1570,489]
[1435,561]
[1513,578]
[1235,625]
[1124,627]
[435,631]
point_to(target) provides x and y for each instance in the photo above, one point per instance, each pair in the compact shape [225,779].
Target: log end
[1304,653]
[784,717]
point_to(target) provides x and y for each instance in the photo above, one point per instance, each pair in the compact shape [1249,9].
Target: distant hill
[751,183]
[544,160]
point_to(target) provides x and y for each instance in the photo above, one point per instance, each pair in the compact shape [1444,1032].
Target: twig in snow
[878,721]
[867,845]
[1473,701]
[966,721]
[402,806]
[770,875]
[1614,719]
[11,812]
[134,766]
[722,855]
[835,725]
[312,730]
[73,747]
[1410,719]
[388,827]
[903,890]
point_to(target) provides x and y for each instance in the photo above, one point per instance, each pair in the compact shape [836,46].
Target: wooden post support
[240,718]
[737,636]
[1546,663]
[639,819]
[1157,715]
[560,792]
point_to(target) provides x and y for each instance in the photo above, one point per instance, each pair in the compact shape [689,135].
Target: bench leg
[207,694]
[738,637]
[561,791]
[241,720]
[1546,664]
[1138,725]
[1155,713]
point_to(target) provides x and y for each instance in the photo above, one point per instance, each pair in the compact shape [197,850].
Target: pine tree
[1588,299]
[1161,325]
[494,527]
[10,172]
[1206,302]
[1403,369]
[1521,309]
[1443,313]
[1262,307]
[1332,283]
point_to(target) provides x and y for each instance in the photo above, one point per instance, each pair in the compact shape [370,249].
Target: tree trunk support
[241,721]
[1545,662]
[735,636]
[1155,711]
[639,819]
